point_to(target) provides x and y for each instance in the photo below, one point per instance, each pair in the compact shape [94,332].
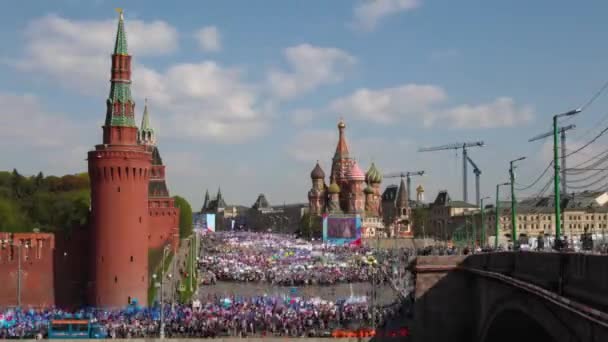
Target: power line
[581,180]
[595,96]
[537,179]
[590,159]
[588,143]
[586,186]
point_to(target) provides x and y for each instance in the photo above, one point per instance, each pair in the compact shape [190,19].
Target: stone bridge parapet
[499,296]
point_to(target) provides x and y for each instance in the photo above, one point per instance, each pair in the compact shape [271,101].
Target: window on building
[115,279]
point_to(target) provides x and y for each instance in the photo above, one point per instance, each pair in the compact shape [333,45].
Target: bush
[185,217]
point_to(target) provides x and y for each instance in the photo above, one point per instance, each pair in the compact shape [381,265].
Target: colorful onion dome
[334,188]
[355,173]
[317,172]
[373,175]
[368,190]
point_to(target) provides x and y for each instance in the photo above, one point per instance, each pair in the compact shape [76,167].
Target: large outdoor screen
[341,229]
[210,222]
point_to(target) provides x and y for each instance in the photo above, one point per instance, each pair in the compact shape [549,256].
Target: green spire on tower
[147,135]
[120,102]
[120,47]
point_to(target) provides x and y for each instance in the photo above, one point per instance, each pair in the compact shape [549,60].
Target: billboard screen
[210,222]
[341,229]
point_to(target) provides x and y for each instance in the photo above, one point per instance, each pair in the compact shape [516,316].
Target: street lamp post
[497,213]
[13,244]
[483,222]
[162,280]
[513,201]
[557,202]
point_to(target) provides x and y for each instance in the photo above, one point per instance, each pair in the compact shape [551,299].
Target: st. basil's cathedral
[353,192]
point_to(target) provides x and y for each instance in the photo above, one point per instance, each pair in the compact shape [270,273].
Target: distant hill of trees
[48,203]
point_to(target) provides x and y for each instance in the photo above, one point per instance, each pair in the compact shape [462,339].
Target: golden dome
[419,188]
[341,124]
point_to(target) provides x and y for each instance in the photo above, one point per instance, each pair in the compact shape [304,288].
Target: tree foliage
[420,220]
[48,203]
[185,217]
[310,226]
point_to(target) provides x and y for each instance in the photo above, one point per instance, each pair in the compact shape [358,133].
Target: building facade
[582,212]
[446,215]
[396,211]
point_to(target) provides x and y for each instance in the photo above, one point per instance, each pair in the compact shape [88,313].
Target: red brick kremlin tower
[164,216]
[119,172]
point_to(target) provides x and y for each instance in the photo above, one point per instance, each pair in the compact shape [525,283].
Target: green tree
[11,217]
[311,226]
[185,216]
[420,219]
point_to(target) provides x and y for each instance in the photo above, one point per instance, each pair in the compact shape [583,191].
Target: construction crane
[477,173]
[458,146]
[562,132]
[408,176]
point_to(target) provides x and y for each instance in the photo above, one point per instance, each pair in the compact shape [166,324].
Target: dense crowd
[282,260]
[228,316]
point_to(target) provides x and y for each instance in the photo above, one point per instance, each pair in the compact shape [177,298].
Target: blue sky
[246,95]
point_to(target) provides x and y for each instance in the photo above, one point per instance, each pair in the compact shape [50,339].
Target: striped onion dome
[373,175]
[355,173]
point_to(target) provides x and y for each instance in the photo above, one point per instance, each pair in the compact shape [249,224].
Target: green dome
[368,190]
[373,175]
[334,188]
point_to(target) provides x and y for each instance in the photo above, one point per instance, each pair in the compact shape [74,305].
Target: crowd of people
[282,260]
[215,317]
[247,257]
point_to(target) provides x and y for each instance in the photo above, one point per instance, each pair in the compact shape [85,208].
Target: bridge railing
[581,277]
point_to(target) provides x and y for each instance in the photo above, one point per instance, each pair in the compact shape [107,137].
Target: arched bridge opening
[514,325]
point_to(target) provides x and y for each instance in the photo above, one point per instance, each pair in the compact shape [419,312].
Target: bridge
[511,296]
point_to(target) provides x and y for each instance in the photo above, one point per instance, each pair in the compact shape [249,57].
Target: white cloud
[206,102]
[52,139]
[25,123]
[196,101]
[309,146]
[501,113]
[311,67]
[368,13]
[302,116]
[63,48]
[388,104]
[209,39]
[426,105]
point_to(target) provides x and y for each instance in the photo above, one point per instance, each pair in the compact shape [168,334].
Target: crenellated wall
[164,223]
[37,271]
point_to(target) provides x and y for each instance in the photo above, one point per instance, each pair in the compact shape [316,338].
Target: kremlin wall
[106,264]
